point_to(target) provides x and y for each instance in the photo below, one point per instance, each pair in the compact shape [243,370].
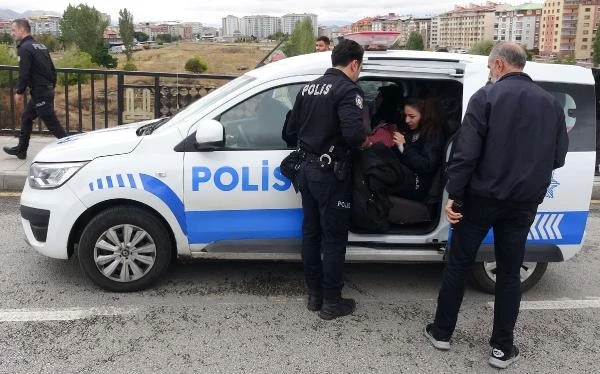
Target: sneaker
[16,151]
[442,344]
[338,308]
[501,360]
[314,303]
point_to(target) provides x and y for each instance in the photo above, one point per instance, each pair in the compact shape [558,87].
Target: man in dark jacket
[513,135]
[327,122]
[37,72]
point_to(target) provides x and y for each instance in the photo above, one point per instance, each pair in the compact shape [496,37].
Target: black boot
[314,303]
[335,306]
[16,151]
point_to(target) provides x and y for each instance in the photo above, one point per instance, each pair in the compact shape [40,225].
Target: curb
[12,181]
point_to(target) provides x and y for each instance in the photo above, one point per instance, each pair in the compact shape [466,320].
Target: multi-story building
[46,24]
[569,27]
[434,35]
[288,22]
[463,27]
[230,25]
[260,26]
[5,26]
[519,24]
[195,29]
[364,24]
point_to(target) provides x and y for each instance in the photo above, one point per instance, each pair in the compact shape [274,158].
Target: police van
[205,183]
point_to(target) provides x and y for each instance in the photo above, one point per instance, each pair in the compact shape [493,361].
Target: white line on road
[557,304]
[26,315]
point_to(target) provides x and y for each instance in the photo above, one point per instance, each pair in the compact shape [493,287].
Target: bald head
[512,54]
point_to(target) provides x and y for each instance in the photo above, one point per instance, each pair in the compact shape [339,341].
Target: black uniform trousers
[326,205]
[511,223]
[43,107]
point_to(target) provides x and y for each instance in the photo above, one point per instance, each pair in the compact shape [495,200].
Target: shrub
[7,57]
[196,65]
[129,66]
[74,58]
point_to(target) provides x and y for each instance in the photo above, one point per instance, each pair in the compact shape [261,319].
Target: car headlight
[52,175]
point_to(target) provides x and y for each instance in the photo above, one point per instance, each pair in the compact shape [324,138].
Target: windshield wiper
[149,128]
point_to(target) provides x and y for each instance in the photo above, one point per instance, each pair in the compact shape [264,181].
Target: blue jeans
[511,223]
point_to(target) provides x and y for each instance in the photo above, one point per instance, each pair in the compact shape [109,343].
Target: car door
[236,192]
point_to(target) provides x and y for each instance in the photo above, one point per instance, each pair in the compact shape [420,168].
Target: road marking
[36,314]
[557,304]
[10,194]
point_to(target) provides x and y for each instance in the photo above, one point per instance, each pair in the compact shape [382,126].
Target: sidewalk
[13,172]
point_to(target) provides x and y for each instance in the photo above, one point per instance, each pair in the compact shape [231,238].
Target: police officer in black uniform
[37,72]
[327,122]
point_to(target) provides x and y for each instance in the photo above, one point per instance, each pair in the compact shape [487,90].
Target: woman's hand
[399,138]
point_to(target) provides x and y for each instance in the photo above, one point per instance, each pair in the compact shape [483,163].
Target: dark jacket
[327,111]
[36,69]
[423,157]
[513,135]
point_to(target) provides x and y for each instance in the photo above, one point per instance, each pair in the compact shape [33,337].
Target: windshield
[211,98]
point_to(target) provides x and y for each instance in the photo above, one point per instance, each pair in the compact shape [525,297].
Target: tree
[50,41]
[415,41]
[302,39]
[126,31]
[5,38]
[141,36]
[596,49]
[484,48]
[164,38]
[84,26]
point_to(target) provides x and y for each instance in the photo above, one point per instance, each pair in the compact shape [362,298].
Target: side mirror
[210,134]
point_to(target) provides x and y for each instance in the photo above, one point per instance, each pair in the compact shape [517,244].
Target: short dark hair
[324,39]
[512,53]
[345,52]
[22,23]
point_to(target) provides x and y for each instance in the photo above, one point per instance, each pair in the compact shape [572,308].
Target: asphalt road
[228,317]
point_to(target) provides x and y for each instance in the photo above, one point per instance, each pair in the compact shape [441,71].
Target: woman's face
[412,117]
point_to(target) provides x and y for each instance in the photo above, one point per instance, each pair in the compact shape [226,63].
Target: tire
[483,275]
[115,266]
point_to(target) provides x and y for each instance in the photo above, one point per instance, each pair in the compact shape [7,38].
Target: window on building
[584,40]
[588,9]
[584,47]
[586,17]
[586,32]
[557,18]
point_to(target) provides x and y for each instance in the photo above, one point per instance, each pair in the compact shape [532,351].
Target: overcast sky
[210,12]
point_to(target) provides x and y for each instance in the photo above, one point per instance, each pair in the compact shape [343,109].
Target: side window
[256,123]
[580,113]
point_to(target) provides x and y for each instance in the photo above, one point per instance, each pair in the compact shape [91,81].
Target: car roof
[316,64]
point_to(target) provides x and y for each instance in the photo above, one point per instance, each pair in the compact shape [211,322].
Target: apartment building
[420,25]
[434,34]
[260,26]
[364,24]
[519,24]
[463,27]
[569,27]
[230,25]
[288,22]
[46,24]
[5,26]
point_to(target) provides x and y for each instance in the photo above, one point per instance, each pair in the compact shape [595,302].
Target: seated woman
[419,148]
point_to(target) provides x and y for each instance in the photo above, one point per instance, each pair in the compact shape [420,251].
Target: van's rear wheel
[483,275]
[124,249]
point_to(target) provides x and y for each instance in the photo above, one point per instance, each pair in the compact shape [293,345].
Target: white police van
[206,183]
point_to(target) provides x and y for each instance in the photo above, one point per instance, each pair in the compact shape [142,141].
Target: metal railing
[90,99]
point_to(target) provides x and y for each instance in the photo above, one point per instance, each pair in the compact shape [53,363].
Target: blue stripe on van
[553,228]
[209,226]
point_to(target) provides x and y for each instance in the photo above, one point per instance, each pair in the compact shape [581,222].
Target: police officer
[327,122]
[37,72]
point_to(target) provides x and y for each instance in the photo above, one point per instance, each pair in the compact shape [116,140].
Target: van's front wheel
[483,275]
[124,249]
